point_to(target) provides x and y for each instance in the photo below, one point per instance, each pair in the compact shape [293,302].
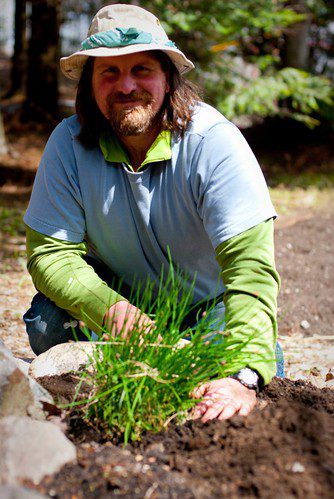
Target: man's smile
[128,104]
[132,100]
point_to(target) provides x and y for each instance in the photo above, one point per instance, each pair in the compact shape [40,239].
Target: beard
[134,120]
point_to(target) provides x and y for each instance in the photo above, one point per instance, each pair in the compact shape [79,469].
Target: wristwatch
[249,378]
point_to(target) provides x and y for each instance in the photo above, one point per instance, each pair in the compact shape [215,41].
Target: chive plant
[145,380]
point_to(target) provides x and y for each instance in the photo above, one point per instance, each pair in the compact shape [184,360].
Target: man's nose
[126,84]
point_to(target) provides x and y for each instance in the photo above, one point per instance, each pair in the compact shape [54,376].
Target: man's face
[129,91]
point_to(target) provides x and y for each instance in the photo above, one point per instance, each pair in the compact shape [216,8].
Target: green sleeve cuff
[59,271]
[252,284]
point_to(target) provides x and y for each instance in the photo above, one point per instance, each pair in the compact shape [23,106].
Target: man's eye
[141,69]
[110,71]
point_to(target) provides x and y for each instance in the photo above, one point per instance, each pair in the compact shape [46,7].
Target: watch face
[248,377]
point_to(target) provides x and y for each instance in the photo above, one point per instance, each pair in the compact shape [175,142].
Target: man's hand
[222,398]
[122,318]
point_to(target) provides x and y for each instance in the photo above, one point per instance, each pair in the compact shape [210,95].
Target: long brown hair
[176,112]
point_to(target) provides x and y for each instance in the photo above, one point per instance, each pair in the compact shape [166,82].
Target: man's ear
[167,83]
[167,76]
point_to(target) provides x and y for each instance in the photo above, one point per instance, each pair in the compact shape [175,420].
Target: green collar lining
[114,152]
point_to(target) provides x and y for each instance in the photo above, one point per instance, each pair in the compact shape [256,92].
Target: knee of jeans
[45,324]
[38,338]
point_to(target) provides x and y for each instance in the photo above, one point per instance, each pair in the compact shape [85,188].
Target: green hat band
[121,37]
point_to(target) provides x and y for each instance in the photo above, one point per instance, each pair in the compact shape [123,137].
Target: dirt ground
[304,258]
[283,449]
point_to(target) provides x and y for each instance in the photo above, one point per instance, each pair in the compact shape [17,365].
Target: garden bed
[283,449]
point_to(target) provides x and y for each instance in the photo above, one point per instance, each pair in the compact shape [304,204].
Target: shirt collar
[113,151]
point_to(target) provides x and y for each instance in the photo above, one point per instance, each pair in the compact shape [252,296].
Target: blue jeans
[48,325]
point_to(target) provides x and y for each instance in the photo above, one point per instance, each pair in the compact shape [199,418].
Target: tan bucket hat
[121,29]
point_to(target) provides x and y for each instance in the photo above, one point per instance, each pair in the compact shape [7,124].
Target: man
[143,167]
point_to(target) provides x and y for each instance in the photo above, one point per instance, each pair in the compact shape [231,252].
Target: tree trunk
[19,59]
[3,143]
[297,48]
[43,60]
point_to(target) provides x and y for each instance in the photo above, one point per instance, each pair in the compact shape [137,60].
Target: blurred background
[268,65]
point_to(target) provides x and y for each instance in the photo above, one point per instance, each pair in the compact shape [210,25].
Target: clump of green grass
[144,381]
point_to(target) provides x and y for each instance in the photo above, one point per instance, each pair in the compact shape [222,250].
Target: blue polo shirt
[205,190]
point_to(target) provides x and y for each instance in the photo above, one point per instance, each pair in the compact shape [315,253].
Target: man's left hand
[222,398]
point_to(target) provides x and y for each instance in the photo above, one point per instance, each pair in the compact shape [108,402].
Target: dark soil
[285,448]
[305,261]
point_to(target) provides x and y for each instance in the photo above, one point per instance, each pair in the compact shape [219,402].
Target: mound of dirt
[283,449]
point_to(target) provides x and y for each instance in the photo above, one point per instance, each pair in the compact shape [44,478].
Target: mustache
[134,96]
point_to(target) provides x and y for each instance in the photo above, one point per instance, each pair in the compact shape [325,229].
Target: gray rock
[31,450]
[59,370]
[63,359]
[20,395]
[23,364]
[14,492]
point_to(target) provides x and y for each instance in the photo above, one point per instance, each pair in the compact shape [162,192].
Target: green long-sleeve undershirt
[59,271]
[252,283]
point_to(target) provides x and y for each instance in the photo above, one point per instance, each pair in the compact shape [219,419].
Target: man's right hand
[122,318]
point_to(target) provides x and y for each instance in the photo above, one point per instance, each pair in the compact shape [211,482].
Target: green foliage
[320,8]
[11,222]
[142,382]
[289,93]
[223,18]
[197,26]
[222,36]
[305,180]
